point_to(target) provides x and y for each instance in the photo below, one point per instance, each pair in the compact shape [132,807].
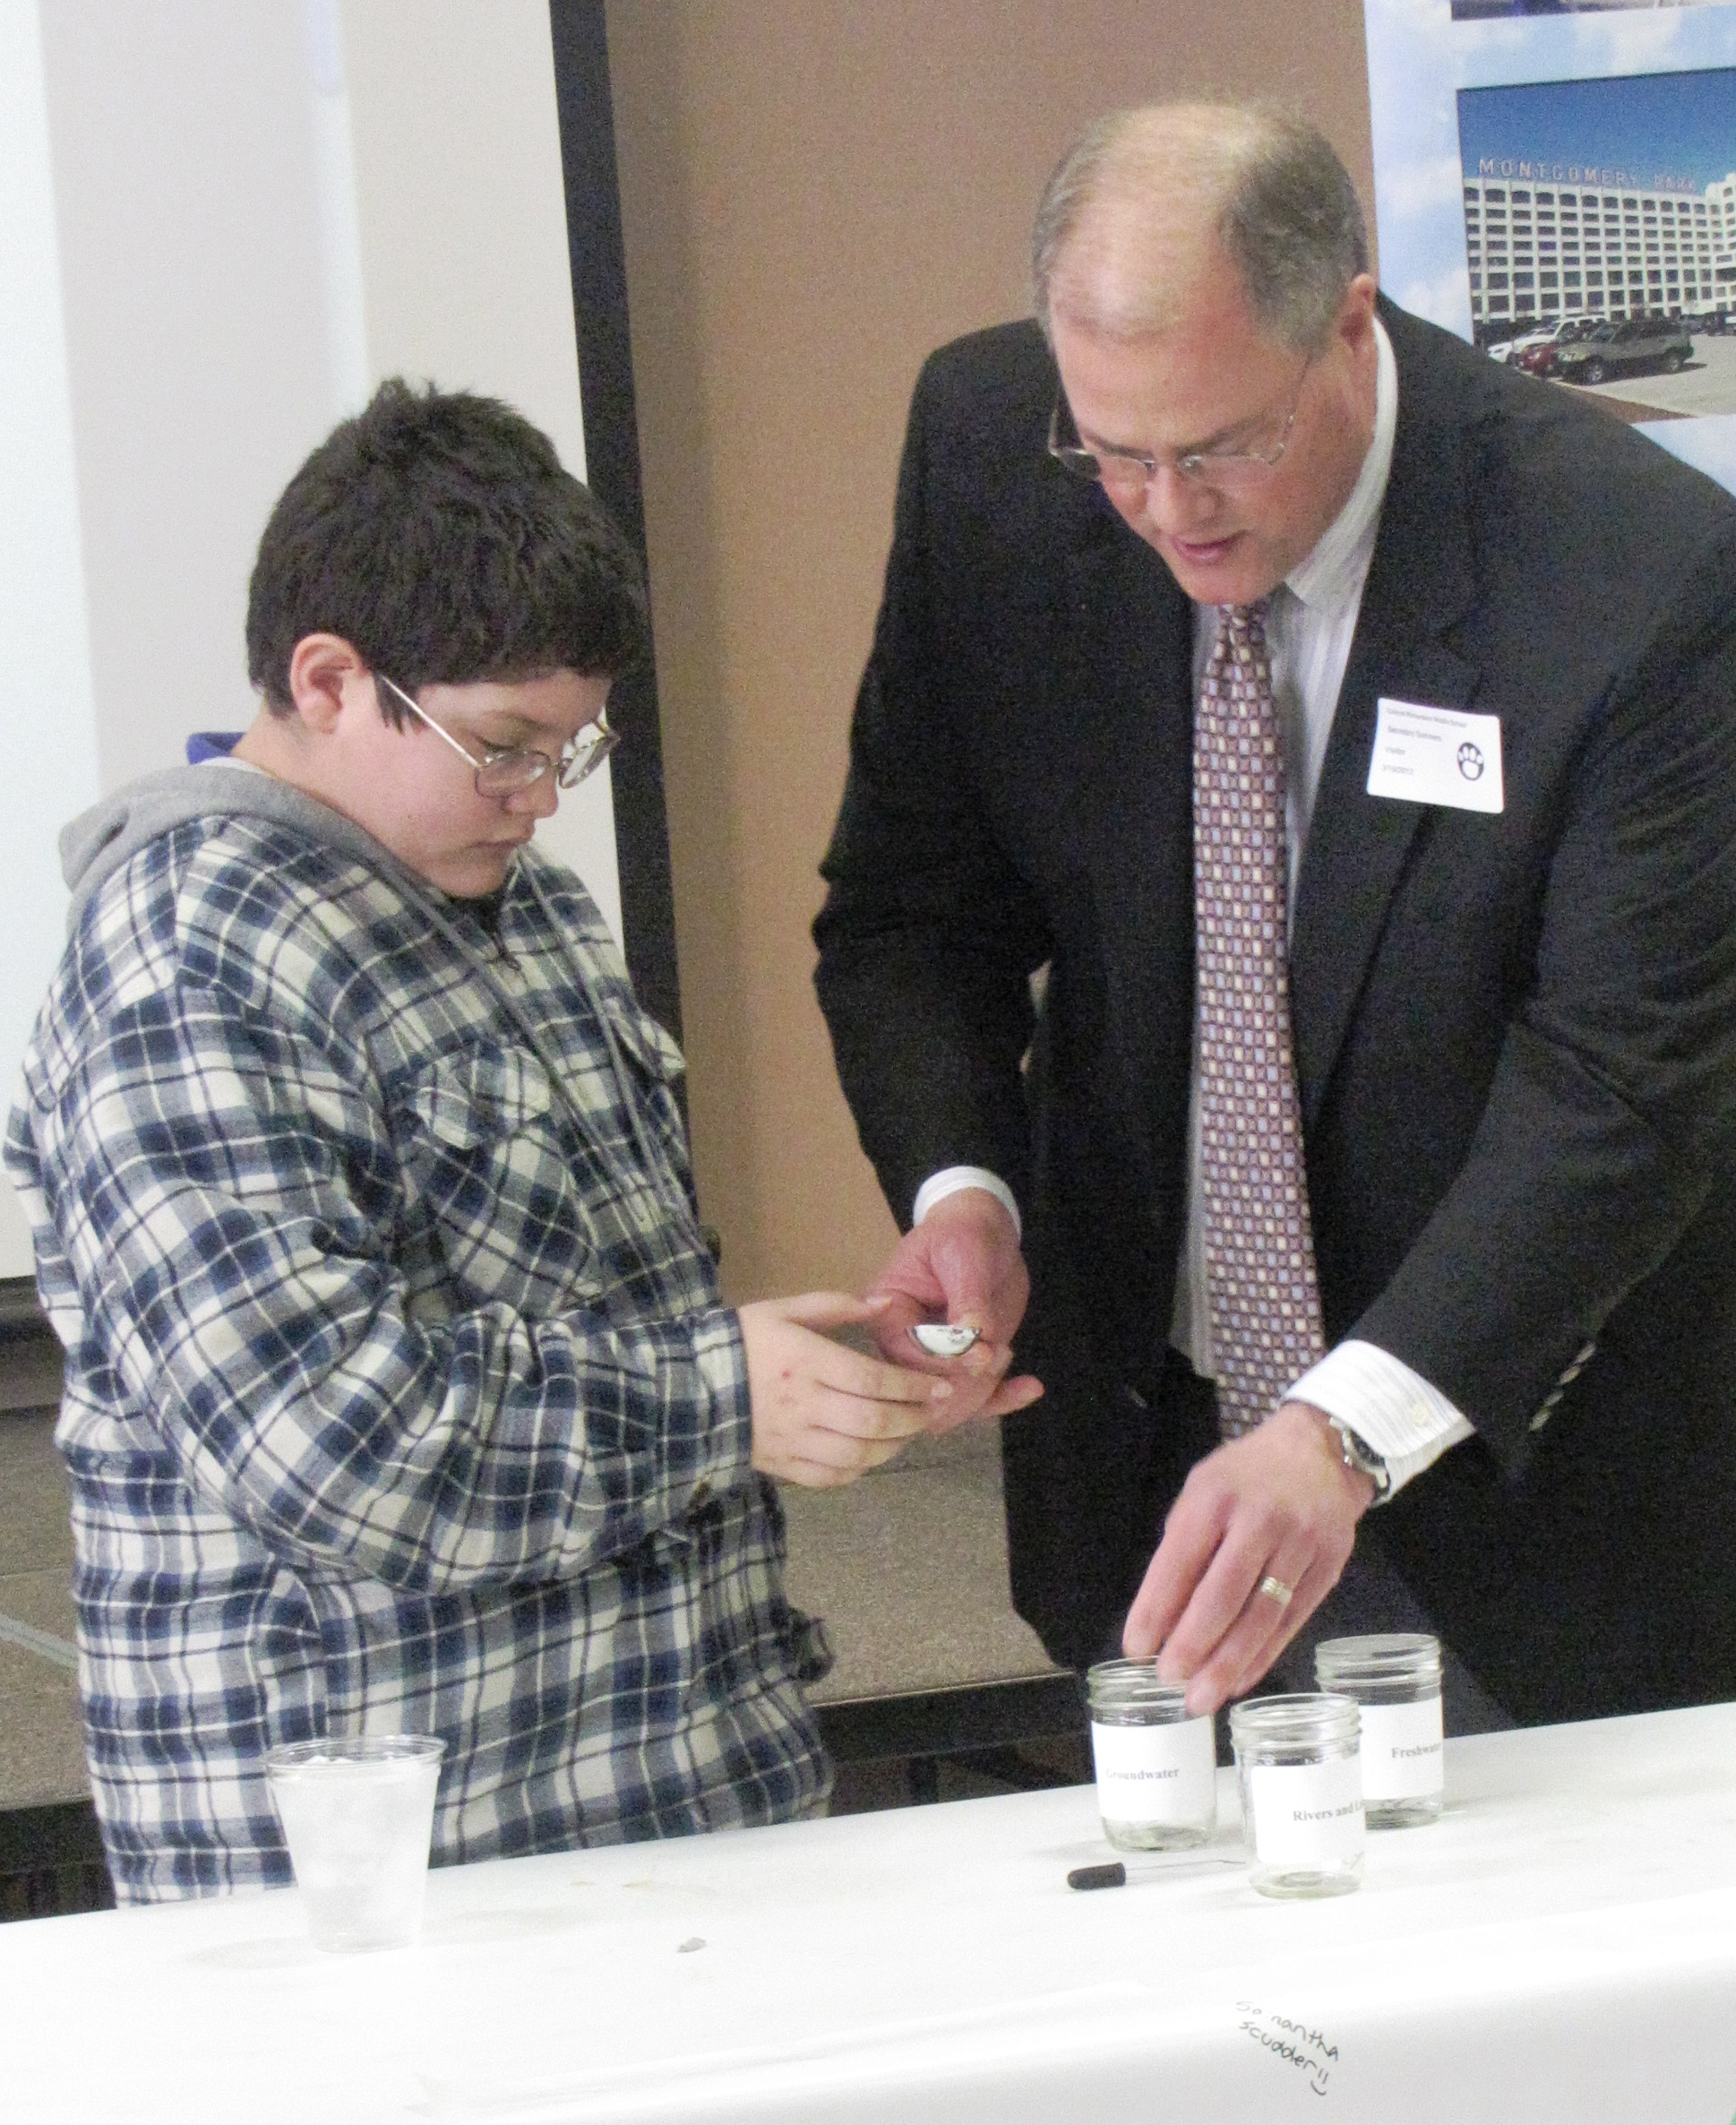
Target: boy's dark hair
[439,535]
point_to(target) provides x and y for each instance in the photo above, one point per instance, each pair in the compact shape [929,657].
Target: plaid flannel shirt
[400,1397]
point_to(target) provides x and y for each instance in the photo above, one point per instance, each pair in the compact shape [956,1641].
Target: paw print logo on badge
[1469,762]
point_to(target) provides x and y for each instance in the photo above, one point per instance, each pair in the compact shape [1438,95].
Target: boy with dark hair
[400,1395]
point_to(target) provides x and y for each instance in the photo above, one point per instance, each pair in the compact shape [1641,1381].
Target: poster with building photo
[1560,188]
[1481,10]
[1611,201]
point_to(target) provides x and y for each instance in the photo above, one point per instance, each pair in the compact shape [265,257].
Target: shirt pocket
[467,1102]
[492,1182]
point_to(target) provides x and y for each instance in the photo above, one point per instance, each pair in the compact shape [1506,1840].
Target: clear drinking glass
[1394,1677]
[1157,1767]
[1300,1774]
[357,1814]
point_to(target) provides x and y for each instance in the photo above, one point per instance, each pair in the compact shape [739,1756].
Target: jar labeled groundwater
[1157,1767]
[1395,1678]
[1302,1794]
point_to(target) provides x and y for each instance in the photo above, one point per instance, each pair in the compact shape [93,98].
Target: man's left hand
[1278,1504]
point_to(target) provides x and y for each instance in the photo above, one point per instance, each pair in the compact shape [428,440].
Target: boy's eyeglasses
[504,770]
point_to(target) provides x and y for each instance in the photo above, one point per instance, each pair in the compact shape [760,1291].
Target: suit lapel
[1420,584]
[1124,698]
[1127,700]
[1128,660]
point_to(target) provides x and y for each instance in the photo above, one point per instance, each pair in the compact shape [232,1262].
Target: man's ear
[323,670]
[1355,322]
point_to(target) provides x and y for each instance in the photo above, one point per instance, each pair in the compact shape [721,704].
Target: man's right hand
[962,1264]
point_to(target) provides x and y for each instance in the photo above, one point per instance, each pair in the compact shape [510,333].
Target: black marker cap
[1113,1875]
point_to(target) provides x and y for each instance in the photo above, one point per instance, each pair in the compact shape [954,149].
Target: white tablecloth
[1560,1946]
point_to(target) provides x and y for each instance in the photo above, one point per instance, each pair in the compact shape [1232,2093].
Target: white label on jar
[1156,1774]
[1308,1814]
[1401,1751]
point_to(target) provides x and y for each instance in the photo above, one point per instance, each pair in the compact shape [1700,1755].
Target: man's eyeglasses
[505,769]
[1126,471]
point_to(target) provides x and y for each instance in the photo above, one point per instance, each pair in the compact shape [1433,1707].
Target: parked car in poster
[1539,358]
[1511,350]
[1624,349]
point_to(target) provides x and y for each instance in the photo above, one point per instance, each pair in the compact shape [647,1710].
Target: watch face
[1360,1456]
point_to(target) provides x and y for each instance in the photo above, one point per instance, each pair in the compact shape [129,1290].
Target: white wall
[46,717]
[182,155]
[220,224]
[463,238]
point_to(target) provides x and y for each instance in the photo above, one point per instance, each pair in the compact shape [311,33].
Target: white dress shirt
[1309,628]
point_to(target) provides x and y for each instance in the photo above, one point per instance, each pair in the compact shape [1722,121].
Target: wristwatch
[1359,1455]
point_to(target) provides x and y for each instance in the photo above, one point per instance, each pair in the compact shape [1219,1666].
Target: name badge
[1436,756]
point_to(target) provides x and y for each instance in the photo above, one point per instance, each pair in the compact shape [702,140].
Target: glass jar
[1302,1793]
[1395,1678]
[1157,1767]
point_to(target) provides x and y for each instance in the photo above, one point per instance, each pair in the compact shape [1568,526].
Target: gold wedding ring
[1276,1590]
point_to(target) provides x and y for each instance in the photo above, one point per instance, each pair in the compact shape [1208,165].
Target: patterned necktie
[1259,1247]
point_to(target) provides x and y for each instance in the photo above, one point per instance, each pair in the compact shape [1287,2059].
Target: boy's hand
[823,1414]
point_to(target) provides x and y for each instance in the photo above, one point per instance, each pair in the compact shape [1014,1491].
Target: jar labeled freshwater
[1302,1794]
[1395,1678]
[1157,1767]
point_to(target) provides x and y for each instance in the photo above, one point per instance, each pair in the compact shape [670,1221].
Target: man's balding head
[1150,202]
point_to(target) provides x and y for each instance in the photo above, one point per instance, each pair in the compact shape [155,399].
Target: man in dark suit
[1511,943]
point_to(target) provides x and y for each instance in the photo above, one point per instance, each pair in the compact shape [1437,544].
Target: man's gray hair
[1268,185]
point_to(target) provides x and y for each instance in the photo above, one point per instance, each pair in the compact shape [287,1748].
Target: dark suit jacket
[1516,1035]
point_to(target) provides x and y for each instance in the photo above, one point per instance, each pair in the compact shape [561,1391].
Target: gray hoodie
[99,841]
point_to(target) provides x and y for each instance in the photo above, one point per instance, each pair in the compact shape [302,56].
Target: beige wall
[815,192]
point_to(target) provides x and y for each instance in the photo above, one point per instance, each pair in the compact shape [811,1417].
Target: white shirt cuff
[1409,1423]
[950,1179]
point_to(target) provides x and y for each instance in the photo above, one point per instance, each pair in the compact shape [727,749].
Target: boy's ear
[322,669]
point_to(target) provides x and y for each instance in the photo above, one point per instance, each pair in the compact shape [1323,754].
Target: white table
[1561,1945]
